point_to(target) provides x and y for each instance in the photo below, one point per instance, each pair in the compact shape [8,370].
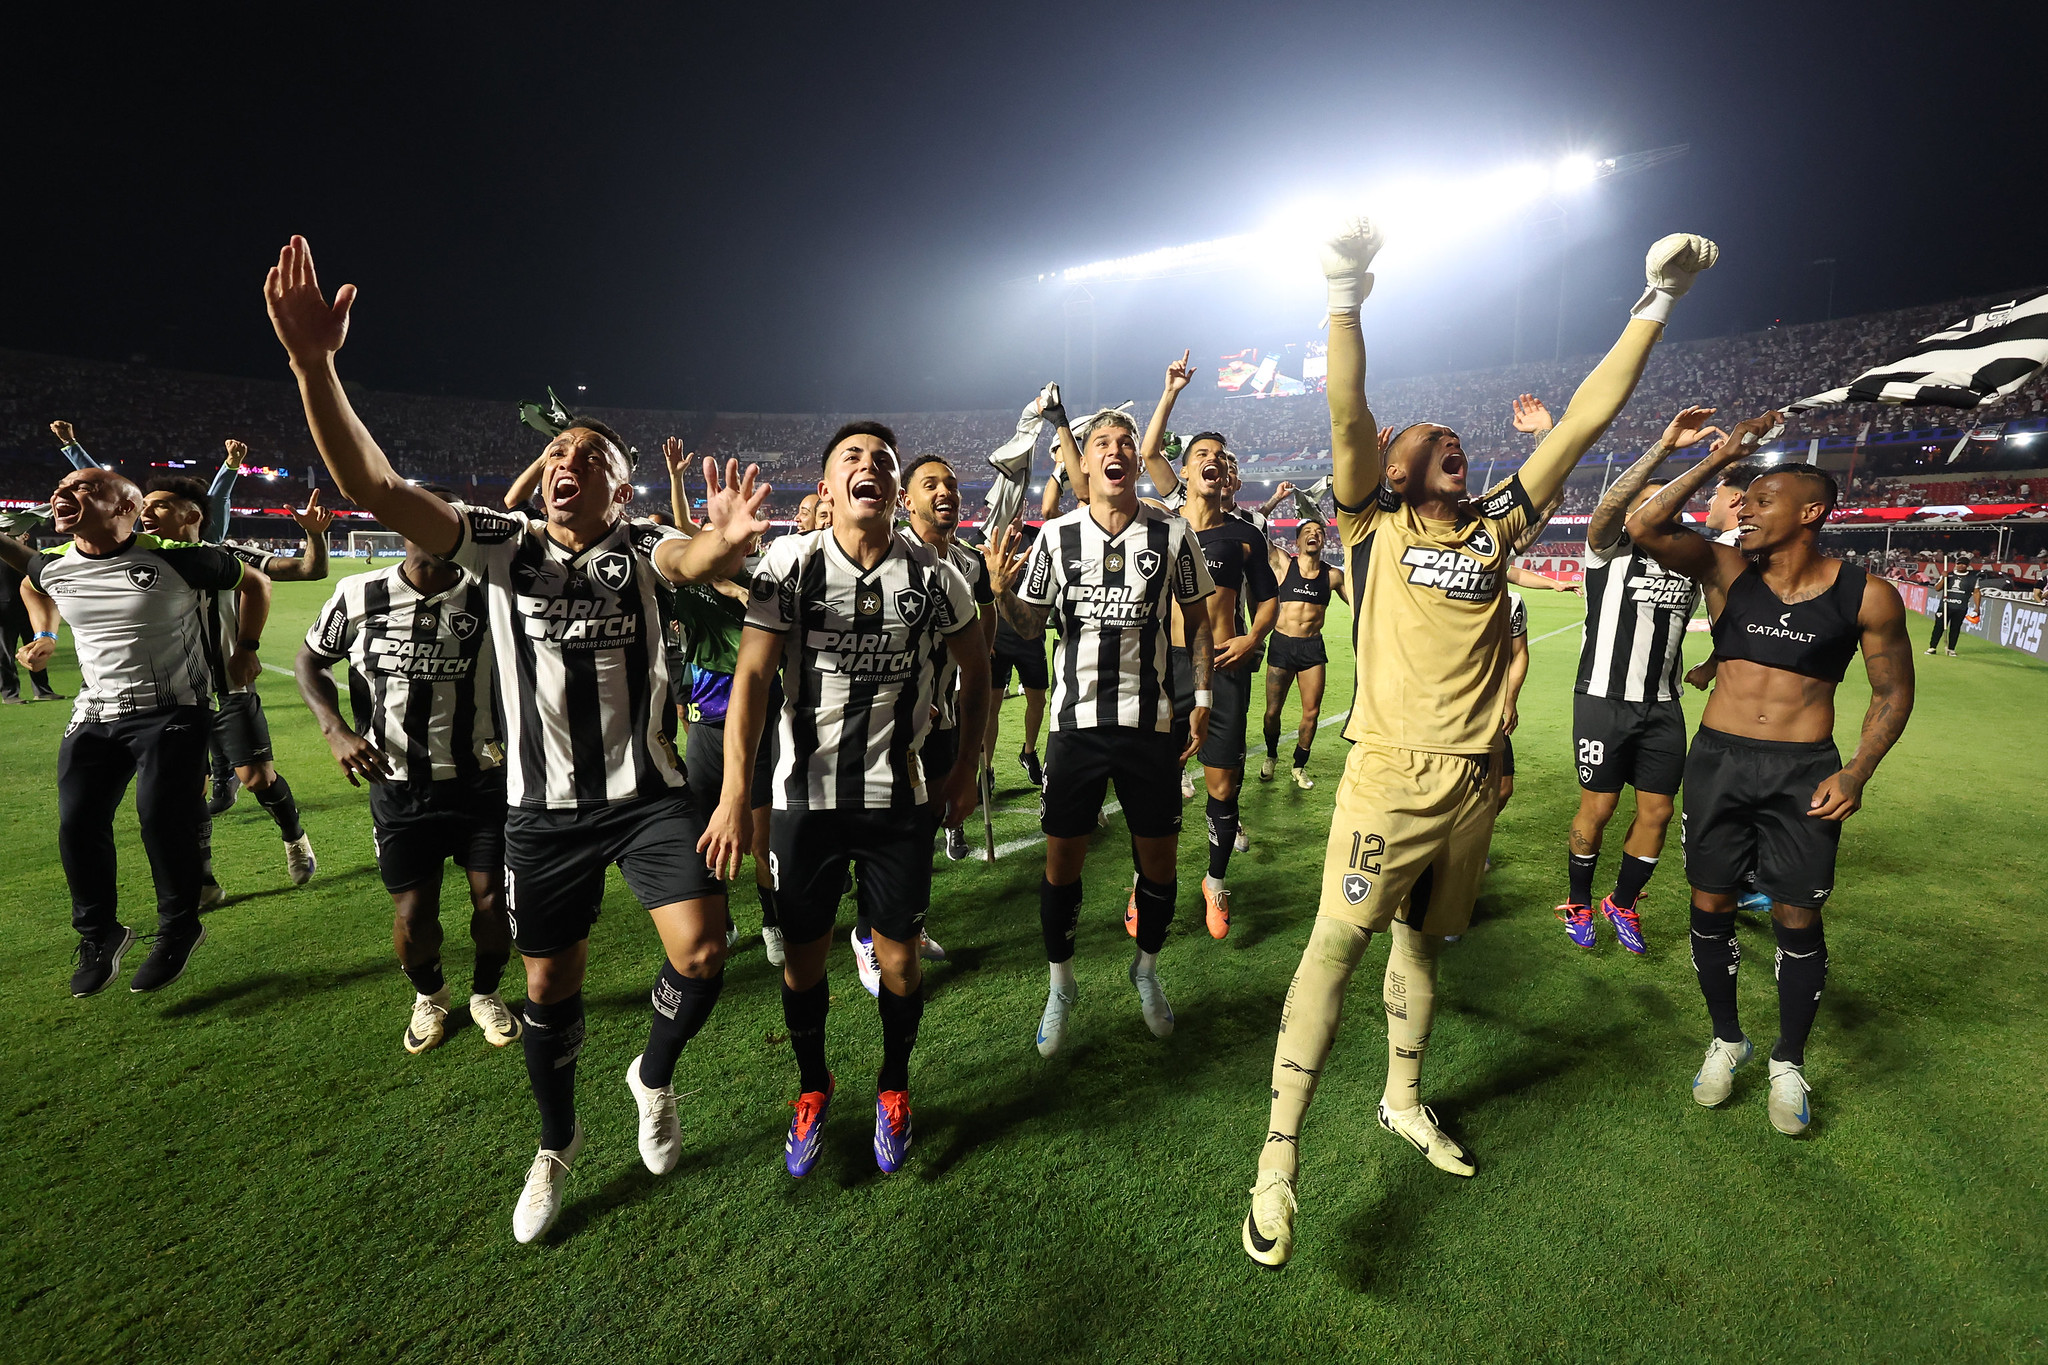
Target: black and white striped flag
[1978,359]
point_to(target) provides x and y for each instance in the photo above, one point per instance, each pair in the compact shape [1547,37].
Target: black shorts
[1080,765]
[555,862]
[941,750]
[1638,744]
[1296,653]
[808,855]
[704,765]
[1223,746]
[243,731]
[1027,657]
[1745,813]
[679,682]
[414,829]
[1507,756]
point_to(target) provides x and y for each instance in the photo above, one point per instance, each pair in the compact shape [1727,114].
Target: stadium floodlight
[1420,216]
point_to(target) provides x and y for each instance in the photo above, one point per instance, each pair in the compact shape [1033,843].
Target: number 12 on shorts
[1366,851]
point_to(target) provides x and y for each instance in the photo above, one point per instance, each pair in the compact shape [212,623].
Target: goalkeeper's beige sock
[1410,991]
[1308,1025]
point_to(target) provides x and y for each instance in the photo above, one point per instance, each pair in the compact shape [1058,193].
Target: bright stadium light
[1420,217]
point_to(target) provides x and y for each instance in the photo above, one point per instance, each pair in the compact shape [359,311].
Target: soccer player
[425,738]
[1628,723]
[1961,585]
[1112,568]
[137,608]
[1298,652]
[1235,555]
[174,509]
[1766,792]
[1417,801]
[591,774]
[807,514]
[862,620]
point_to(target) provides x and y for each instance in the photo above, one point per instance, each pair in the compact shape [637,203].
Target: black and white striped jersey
[1518,615]
[577,638]
[1110,596]
[138,622]
[974,569]
[1634,640]
[860,667]
[419,672]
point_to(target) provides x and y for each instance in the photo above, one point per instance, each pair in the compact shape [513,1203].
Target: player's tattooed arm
[311,566]
[1686,430]
[1657,531]
[1888,660]
[1152,450]
[312,332]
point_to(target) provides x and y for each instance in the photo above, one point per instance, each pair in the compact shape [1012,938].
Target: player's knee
[1795,916]
[1336,944]
[1653,810]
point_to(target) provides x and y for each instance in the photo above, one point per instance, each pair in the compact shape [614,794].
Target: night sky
[780,208]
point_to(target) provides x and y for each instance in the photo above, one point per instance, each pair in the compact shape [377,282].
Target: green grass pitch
[248,1166]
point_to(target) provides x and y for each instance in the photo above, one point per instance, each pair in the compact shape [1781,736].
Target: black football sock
[277,799]
[1059,915]
[900,1016]
[1715,958]
[426,978]
[1222,835]
[488,973]
[553,1040]
[1802,971]
[803,1014]
[769,918]
[1580,871]
[681,1005]
[1155,912]
[1272,737]
[1635,875]
[1300,757]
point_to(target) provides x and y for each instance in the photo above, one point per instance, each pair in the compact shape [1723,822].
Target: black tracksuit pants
[164,753]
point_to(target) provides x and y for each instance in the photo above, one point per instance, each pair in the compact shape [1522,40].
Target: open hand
[310,328]
[732,506]
[1741,440]
[1530,416]
[1005,561]
[313,519]
[1689,428]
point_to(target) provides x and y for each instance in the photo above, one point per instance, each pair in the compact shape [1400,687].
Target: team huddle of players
[515,686]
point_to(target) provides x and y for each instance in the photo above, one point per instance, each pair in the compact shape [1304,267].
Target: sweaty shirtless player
[1765,790]
[1298,651]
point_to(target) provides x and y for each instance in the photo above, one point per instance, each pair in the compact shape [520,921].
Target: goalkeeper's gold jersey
[1430,619]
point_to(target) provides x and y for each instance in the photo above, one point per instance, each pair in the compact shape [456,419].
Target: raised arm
[1005,567]
[678,461]
[523,487]
[1888,661]
[1658,532]
[732,518]
[312,331]
[1603,532]
[1671,266]
[1354,439]
[221,490]
[1152,450]
[311,566]
[67,440]
[1281,490]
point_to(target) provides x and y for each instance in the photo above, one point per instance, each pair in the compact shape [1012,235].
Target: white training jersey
[1110,596]
[138,622]
[577,638]
[419,672]
[862,656]
[1634,640]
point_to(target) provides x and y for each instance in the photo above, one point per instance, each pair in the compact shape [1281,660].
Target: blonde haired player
[1427,569]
